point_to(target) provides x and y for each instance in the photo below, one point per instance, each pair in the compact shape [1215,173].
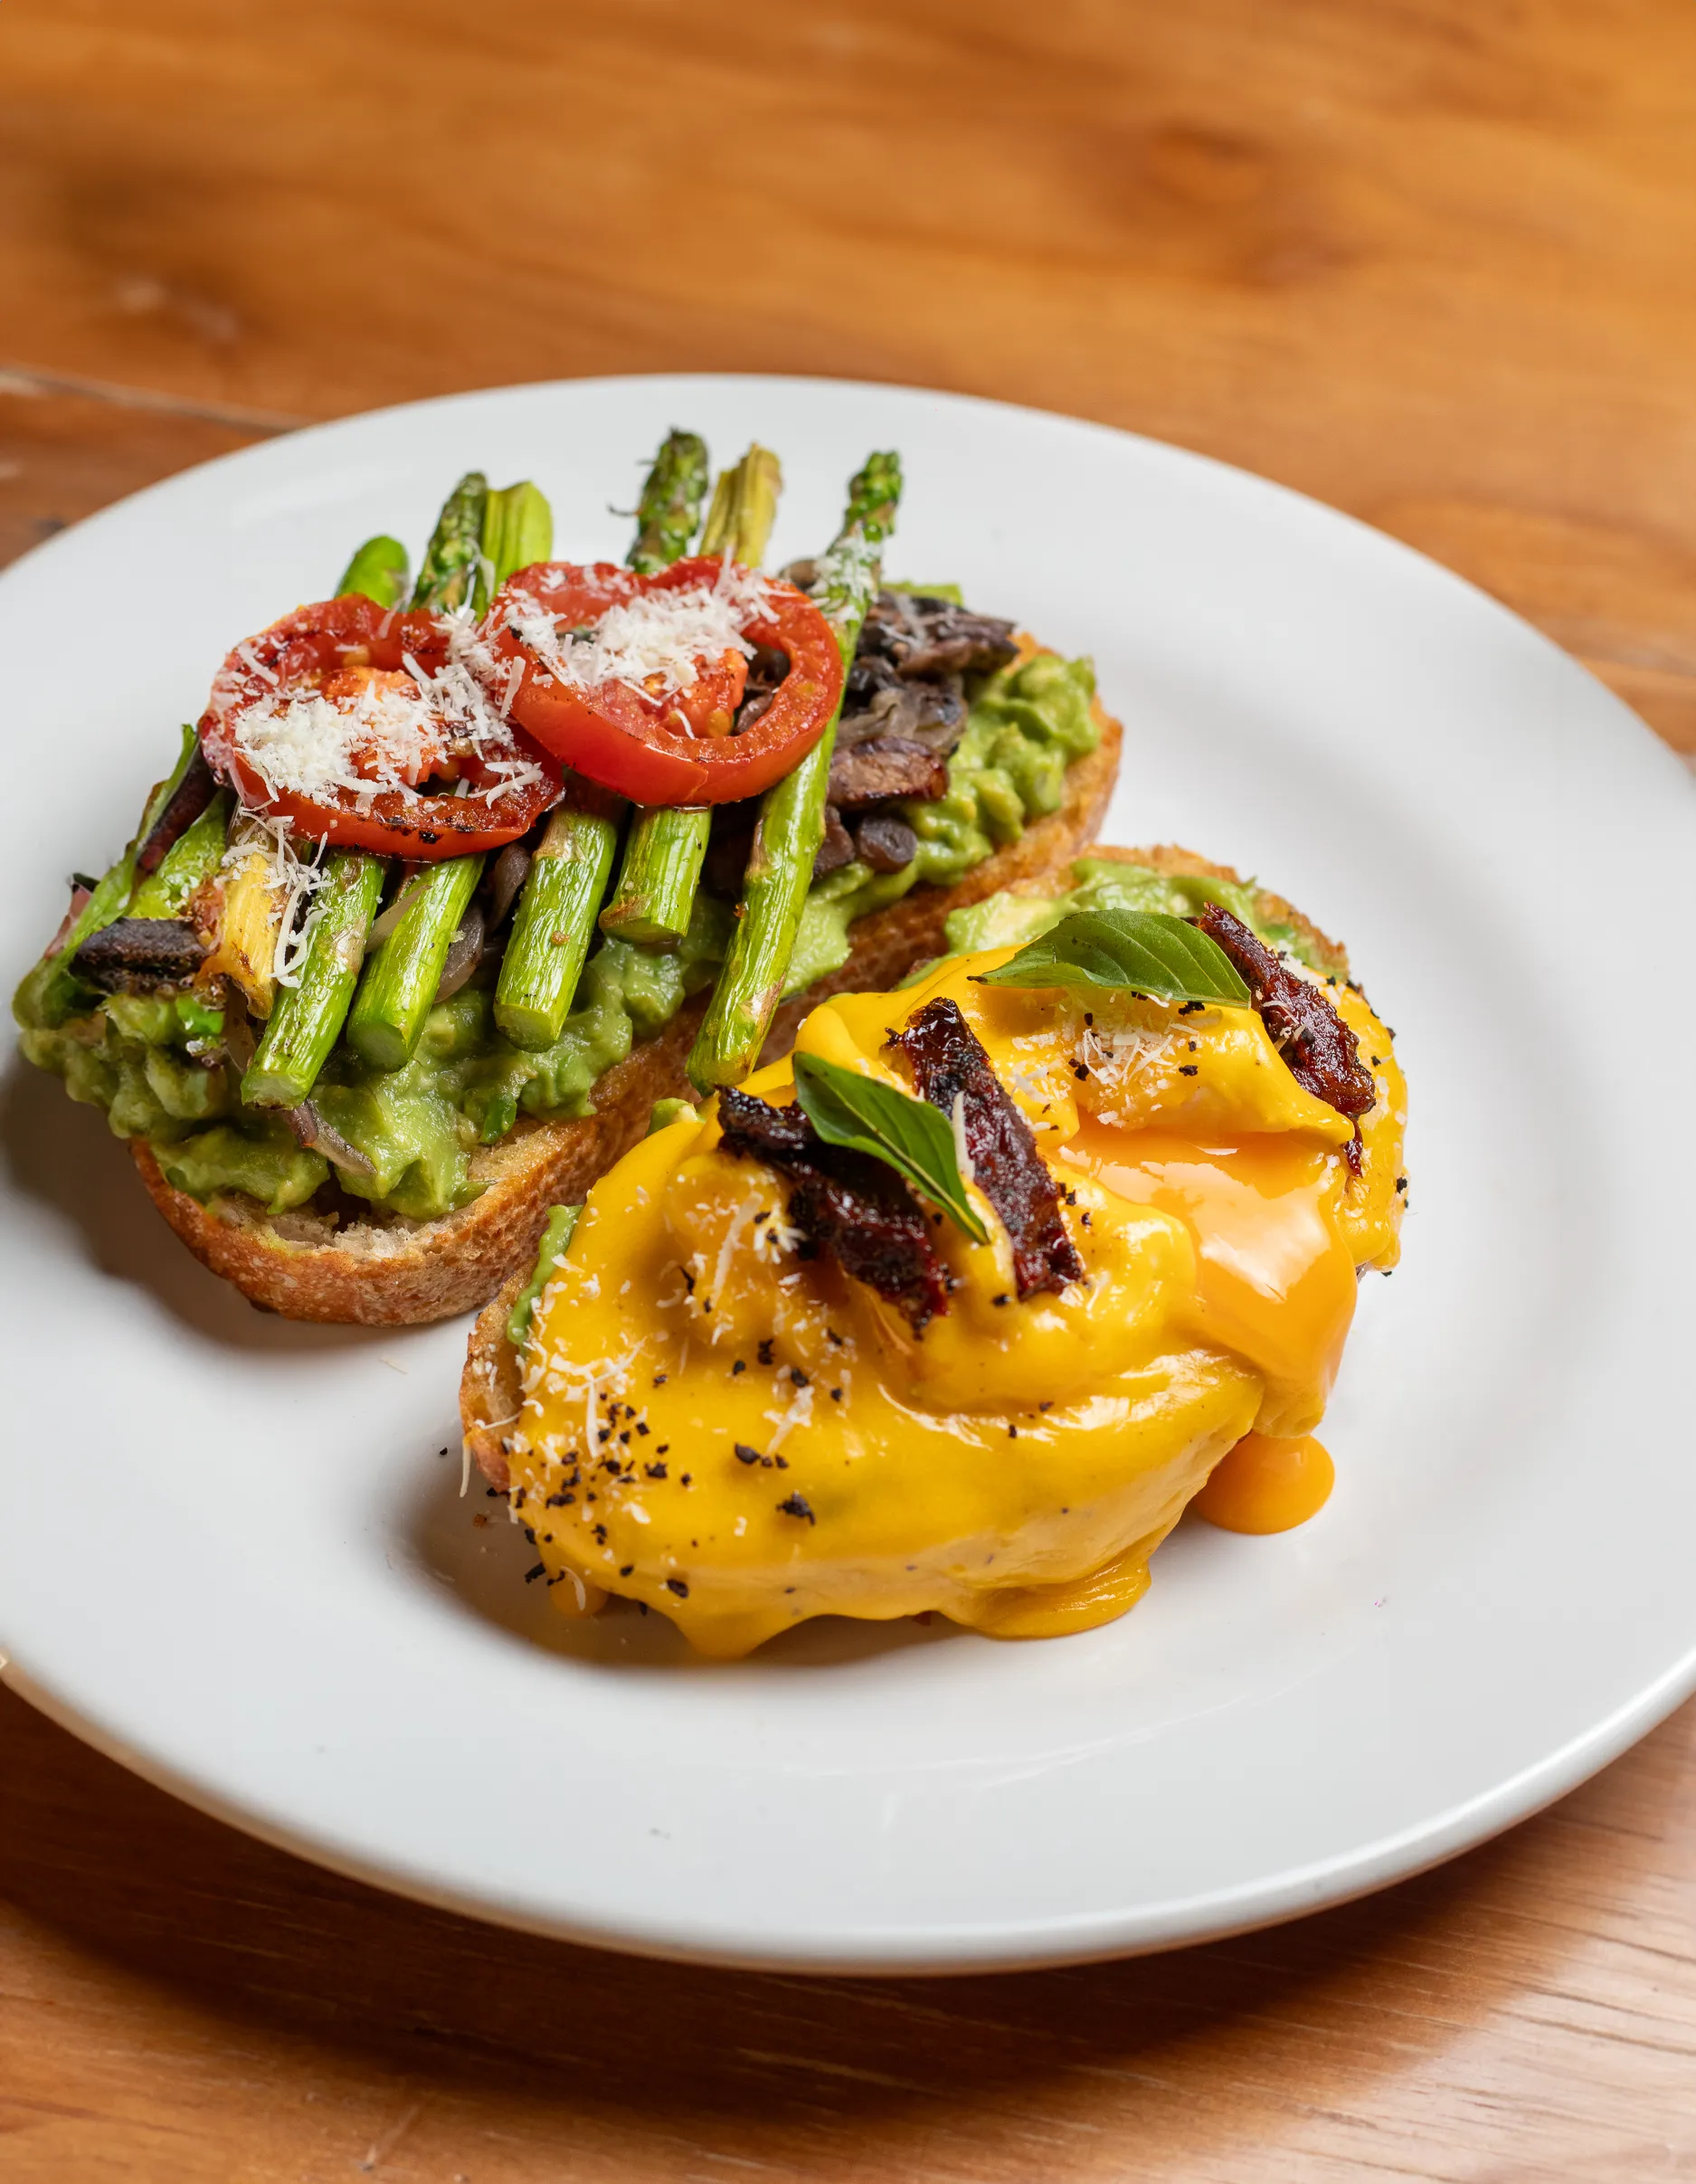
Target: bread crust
[399,1273]
[491,1387]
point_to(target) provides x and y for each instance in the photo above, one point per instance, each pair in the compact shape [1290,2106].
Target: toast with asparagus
[459,875]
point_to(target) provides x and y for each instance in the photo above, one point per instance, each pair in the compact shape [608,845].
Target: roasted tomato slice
[375,730]
[634,681]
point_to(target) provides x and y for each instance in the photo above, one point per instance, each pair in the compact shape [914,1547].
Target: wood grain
[66,450]
[1431,261]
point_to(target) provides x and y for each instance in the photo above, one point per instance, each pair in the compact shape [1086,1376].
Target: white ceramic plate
[231,1555]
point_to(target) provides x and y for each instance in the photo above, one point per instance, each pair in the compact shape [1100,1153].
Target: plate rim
[945,1951]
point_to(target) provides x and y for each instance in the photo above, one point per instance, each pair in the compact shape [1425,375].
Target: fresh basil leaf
[1139,951]
[908,1135]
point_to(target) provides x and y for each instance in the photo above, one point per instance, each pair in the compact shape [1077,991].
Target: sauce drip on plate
[1267,1485]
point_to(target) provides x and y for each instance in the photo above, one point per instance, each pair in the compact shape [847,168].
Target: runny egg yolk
[741,1436]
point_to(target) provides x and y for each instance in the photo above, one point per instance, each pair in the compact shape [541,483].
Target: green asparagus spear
[555,919]
[670,507]
[400,979]
[447,574]
[303,1025]
[379,570]
[666,846]
[192,857]
[791,816]
[308,1017]
[663,854]
[479,538]
[745,506]
[52,991]
[664,849]
[518,529]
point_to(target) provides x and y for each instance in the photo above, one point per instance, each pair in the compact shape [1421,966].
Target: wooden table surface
[1431,261]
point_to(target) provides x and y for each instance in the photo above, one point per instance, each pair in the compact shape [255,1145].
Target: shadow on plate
[470,1545]
[64,1157]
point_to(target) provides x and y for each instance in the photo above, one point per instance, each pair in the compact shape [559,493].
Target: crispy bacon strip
[949,1064]
[1319,1050]
[845,1202]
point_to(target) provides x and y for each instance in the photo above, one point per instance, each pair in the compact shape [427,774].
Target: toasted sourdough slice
[490,1392]
[396,1273]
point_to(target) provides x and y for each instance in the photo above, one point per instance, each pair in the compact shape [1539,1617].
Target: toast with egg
[395,1272]
[490,1390]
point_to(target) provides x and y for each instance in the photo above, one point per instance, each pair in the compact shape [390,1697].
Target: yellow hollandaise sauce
[741,1436]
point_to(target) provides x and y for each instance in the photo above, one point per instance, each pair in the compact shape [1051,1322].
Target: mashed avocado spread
[417,1125]
[153,1063]
[1008,921]
[1027,725]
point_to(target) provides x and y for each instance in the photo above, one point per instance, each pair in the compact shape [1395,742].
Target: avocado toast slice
[357,1101]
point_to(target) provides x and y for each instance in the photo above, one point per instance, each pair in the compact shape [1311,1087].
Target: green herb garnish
[1139,951]
[908,1135]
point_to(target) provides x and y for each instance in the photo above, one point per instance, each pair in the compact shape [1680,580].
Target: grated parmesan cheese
[775,1238]
[799,1412]
[957,1124]
[846,577]
[265,674]
[1117,1059]
[387,737]
[740,1224]
[292,879]
[309,746]
[653,643]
